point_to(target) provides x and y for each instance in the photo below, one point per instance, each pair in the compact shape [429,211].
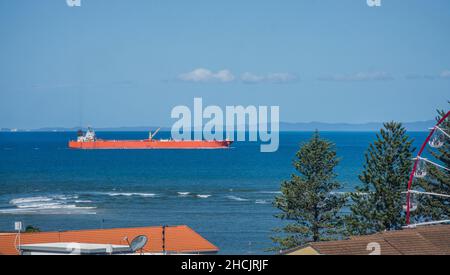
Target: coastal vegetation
[377,204]
[309,199]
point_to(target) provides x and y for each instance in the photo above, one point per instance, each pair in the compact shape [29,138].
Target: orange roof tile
[179,239]
[424,240]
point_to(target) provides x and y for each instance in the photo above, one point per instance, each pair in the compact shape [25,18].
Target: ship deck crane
[154,134]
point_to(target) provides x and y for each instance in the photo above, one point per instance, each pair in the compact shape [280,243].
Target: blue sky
[128,63]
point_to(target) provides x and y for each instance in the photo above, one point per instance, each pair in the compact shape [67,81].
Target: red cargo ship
[90,141]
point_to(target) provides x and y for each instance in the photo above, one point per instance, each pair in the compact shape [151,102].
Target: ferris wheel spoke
[442,131]
[433,163]
[427,193]
[435,139]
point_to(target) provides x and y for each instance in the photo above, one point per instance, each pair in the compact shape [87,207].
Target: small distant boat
[89,141]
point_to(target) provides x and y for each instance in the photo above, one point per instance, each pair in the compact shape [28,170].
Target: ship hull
[149,144]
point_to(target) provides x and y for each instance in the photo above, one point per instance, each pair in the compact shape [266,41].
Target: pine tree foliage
[308,199]
[377,204]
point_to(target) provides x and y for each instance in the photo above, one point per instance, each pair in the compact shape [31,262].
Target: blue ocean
[225,195]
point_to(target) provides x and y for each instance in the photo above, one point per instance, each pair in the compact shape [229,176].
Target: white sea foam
[64,197]
[40,205]
[262,202]
[203,196]
[44,206]
[183,194]
[235,198]
[29,200]
[52,204]
[115,194]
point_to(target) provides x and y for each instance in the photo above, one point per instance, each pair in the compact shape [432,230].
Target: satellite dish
[138,243]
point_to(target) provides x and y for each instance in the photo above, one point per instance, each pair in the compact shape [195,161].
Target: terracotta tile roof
[179,239]
[425,240]
[352,247]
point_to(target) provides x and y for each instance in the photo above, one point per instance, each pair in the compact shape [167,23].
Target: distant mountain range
[284,126]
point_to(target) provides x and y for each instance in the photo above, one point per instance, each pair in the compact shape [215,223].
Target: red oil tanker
[89,141]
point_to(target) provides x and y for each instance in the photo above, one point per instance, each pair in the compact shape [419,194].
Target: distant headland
[284,127]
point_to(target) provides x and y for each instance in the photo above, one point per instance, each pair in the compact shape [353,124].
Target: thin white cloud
[281,77]
[360,76]
[248,77]
[205,75]
[251,78]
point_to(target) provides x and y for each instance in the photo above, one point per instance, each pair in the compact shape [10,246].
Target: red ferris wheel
[435,139]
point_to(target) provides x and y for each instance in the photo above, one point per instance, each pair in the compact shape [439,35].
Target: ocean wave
[183,194]
[131,194]
[203,196]
[29,200]
[51,204]
[41,199]
[235,198]
[39,205]
[65,197]
[55,206]
[262,202]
